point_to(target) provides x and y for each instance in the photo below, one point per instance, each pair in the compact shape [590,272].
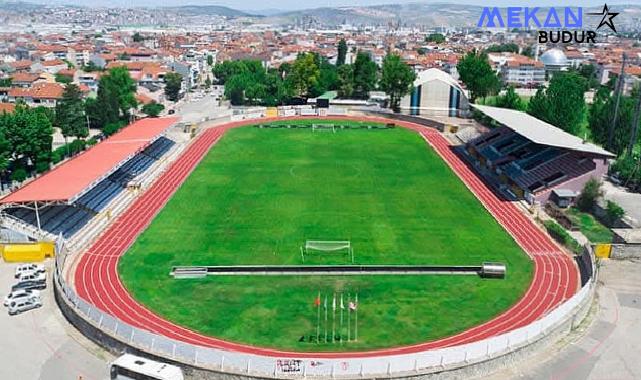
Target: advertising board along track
[555,276]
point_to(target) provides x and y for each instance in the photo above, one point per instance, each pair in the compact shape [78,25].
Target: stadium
[180,248]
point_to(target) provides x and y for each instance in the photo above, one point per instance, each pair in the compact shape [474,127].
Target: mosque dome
[554,57]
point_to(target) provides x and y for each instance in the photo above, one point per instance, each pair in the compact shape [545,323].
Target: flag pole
[334,318]
[325,318]
[356,319]
[317,302]
[349,313]
[340,329]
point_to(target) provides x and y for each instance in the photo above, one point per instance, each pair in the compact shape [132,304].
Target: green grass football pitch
[260,193]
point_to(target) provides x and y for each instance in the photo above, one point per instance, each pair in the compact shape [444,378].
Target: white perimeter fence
[279,367]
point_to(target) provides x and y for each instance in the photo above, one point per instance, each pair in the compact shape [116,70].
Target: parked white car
[18,294]
[23,304]
[33,276]
[22,268]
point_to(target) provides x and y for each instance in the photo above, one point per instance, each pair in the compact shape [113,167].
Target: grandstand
[64,200]
[529,158]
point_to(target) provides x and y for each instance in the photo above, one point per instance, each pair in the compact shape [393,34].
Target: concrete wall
[576,184]
[479,368]
[625,251]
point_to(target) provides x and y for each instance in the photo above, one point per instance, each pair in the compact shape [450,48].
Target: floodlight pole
[38,217]
[635,126]
[618,89]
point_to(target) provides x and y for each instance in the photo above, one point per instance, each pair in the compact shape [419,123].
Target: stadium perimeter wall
[474,359]
[470,360]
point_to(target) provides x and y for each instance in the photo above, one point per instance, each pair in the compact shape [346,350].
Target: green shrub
[42,166]
[111,128]
[19,175]
[56,156]
[589,195]
[559,234]
[614,211]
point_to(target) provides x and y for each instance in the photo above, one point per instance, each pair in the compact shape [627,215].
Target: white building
[435,93]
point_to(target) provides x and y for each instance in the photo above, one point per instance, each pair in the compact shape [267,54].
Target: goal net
[323,128]
[327,246]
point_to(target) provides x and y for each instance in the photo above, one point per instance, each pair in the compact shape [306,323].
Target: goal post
[324,127]
[327,246]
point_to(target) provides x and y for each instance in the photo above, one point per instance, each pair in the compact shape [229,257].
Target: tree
[91,67]
[364,75]
[115,98]
[223,70]
[562,104]
[64,79]
[477,74]
[342,52]
[600,119]
[345,81]
[30,135]
[5,145]
[137,37]
[500,48]
[210,60]
[589,195]
[510,100]
[589,72]
[436,38]
[152,109]
[327,79]
[528,51]
[6,82]
[70,113]
[397,79]
[173,85]
[305,73]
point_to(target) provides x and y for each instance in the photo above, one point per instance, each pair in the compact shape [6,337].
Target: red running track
[555,276]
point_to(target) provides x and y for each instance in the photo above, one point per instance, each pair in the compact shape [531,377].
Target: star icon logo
[607,17]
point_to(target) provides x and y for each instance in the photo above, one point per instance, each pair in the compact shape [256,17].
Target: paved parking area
[197,110]
[40,345]
[606,347]
[629,201]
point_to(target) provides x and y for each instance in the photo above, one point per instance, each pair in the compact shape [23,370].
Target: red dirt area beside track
[555,276]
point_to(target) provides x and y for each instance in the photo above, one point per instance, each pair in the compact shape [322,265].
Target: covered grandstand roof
[539,131]
[436,74]
[81,173]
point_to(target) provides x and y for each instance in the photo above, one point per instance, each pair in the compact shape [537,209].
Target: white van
[23,304]
[131,367]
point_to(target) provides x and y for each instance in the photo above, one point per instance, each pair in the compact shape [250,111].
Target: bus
[131,367]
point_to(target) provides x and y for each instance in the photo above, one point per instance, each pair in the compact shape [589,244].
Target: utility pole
[635,126]
[618,89]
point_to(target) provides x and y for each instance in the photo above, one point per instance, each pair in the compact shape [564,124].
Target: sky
[298,4]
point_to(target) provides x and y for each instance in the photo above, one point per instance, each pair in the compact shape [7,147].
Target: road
[607,346]
[40,345]
[198,110]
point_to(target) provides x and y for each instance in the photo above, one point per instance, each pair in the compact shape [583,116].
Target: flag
[334,302]
[325,306]
[342,305]
[317,301]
